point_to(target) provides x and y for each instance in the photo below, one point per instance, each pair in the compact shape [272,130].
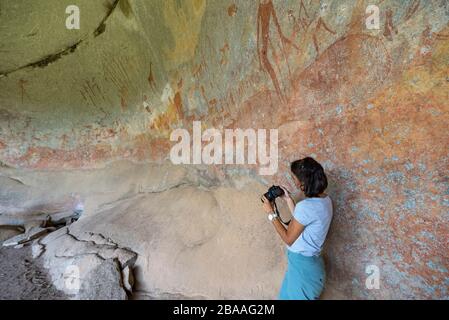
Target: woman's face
[298,183]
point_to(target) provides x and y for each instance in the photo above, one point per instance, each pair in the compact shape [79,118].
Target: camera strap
[277,212]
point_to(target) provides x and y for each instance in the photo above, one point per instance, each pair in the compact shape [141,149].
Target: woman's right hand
[287,194]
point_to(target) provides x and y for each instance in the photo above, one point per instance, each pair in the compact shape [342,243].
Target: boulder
[104,282]
[31,234]
[199,236]
[85,269]
[54,235]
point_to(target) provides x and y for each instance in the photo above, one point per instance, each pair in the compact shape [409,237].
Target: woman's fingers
[285,190]
[264,199]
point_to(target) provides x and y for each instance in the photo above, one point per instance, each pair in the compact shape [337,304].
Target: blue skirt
[304,278]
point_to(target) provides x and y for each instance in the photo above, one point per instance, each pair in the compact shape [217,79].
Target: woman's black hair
[312,176]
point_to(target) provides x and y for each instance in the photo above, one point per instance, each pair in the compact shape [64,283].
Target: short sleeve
[302,214]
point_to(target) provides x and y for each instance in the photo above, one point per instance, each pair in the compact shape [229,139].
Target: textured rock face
[371,105]
[184,228]
[88,267]
[211,243]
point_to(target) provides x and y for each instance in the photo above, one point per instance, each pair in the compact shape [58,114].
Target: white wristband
[272,216]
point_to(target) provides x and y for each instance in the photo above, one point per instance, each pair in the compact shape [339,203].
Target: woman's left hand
[267,206]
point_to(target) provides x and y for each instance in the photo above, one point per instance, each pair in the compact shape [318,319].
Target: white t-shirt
[316,215]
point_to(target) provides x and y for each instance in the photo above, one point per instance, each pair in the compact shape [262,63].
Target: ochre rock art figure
[303,21]
[320,24]
[21,85]
[411,10]
[389,26]
[440,36]
[265,13]
[350,74]
[151,79]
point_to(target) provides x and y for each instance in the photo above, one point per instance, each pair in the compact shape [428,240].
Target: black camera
[273,193]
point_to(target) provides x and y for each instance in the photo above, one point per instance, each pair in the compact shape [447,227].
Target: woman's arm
[290,234]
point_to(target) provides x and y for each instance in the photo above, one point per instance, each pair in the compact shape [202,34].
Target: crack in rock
[51,58]
[75,247]
[96,238]
[102,26]
[141,192]
[43,62]
[104,267]
[176,186]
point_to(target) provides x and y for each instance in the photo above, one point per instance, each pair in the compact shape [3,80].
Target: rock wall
[86,115]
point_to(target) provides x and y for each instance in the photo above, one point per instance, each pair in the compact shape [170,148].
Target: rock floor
[25,278]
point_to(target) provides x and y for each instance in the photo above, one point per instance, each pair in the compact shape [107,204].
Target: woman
[306,232]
